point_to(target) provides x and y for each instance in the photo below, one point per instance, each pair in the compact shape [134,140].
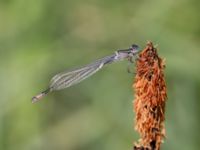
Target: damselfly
[68,78]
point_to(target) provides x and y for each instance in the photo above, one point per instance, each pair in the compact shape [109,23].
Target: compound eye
[134,46]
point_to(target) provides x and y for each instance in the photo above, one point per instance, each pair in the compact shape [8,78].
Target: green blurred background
[39,38]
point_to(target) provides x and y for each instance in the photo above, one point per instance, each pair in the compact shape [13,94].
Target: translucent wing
[69,78]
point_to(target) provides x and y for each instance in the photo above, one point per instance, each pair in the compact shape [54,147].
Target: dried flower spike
[150,97]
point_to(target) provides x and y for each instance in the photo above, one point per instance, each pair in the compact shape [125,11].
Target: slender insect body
[69,78]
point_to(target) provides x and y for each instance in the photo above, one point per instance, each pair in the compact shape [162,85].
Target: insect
[71,77]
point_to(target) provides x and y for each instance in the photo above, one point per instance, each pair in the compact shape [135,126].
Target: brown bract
[150,97]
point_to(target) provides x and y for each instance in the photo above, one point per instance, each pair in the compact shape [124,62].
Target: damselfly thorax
[68,78]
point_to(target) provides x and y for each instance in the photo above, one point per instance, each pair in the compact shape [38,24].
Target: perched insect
[68,78]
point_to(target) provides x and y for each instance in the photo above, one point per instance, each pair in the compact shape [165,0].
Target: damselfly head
[134,49]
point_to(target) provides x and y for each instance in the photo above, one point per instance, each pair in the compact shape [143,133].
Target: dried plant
[150,98]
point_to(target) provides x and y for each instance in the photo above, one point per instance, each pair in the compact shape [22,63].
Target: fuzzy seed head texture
[150,97]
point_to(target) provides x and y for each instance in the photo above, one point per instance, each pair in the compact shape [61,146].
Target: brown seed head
[150,97]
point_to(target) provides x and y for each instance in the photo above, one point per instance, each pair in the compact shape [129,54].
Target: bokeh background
[39,38]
